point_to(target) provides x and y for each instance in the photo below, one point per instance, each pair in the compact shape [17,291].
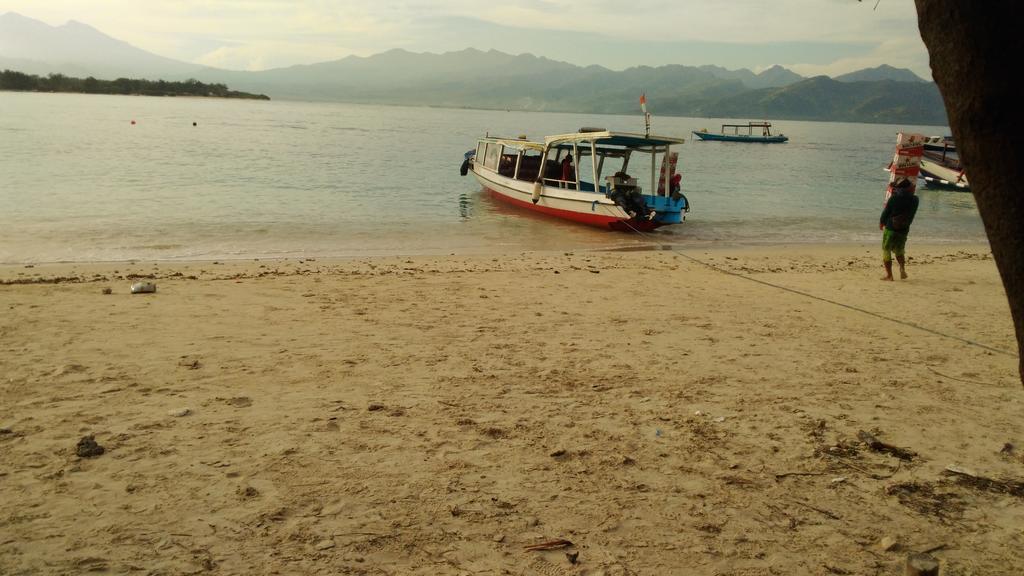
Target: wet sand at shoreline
[437,415]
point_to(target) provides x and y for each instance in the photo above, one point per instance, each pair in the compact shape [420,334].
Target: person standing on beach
[895,222]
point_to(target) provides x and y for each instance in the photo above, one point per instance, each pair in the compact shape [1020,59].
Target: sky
[809,37]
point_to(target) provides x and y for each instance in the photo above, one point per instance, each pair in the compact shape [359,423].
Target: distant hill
[821,97]
[76,49]
[883,72]
[372,78]
[495,80]
[773,77]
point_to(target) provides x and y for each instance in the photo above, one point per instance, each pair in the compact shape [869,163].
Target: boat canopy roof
[749,125]
[625,139]
[520,143]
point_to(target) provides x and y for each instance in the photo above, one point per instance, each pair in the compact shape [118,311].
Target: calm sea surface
[79,182]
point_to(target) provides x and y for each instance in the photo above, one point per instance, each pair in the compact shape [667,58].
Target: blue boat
[731,133]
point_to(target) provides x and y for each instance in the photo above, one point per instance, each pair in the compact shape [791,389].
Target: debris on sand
[247,493]
[879,446]
[88,448]
[550,545]
[971,479]
[889,543]
[240,401]
[143,288]
[928,499]
[922,565]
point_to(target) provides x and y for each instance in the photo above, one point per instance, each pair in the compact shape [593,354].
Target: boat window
[529,165]
[507,162]
[585,167]
[610,161]
[560,170]
[610,164]
[480,151]
[491,156]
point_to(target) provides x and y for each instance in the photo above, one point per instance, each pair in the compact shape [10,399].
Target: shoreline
[367,104]
[835,249]
[421,415]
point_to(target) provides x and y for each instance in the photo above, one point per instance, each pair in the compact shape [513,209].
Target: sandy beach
[439,415]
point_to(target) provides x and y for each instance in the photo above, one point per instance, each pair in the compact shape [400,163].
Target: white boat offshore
[584,177]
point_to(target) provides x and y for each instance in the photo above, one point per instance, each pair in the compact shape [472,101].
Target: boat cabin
[766,128]
[592,160]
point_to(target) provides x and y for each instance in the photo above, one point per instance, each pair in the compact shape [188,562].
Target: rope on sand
[828,300]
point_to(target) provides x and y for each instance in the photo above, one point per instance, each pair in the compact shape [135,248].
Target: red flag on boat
[643,103]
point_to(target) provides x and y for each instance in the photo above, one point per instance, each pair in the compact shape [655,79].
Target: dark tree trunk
[974,48]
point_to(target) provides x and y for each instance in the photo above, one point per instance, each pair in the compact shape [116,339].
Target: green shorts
[893,242]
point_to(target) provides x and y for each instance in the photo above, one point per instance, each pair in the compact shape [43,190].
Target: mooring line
[823,299]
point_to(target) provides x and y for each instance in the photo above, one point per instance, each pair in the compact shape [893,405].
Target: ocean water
[80,182]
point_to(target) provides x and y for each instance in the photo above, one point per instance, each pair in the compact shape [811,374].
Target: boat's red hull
[591,219]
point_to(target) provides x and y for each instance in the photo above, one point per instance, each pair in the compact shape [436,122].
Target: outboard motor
[627,195]
[631,201]
[464,169]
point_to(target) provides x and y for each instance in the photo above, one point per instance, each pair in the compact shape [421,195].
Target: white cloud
[741,21]
[248,57]
[264,55]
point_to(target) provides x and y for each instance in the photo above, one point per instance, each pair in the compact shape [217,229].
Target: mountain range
[473,78]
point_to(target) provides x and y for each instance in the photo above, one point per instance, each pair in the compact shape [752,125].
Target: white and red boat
[562,177]
[942,169]
[949,176]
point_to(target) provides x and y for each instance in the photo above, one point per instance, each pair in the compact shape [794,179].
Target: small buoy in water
[194,124]
[133,122]
[143,288]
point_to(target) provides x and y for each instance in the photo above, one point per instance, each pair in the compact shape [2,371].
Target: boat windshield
[505,156]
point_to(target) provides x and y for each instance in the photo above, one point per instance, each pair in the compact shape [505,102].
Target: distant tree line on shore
[19,81]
